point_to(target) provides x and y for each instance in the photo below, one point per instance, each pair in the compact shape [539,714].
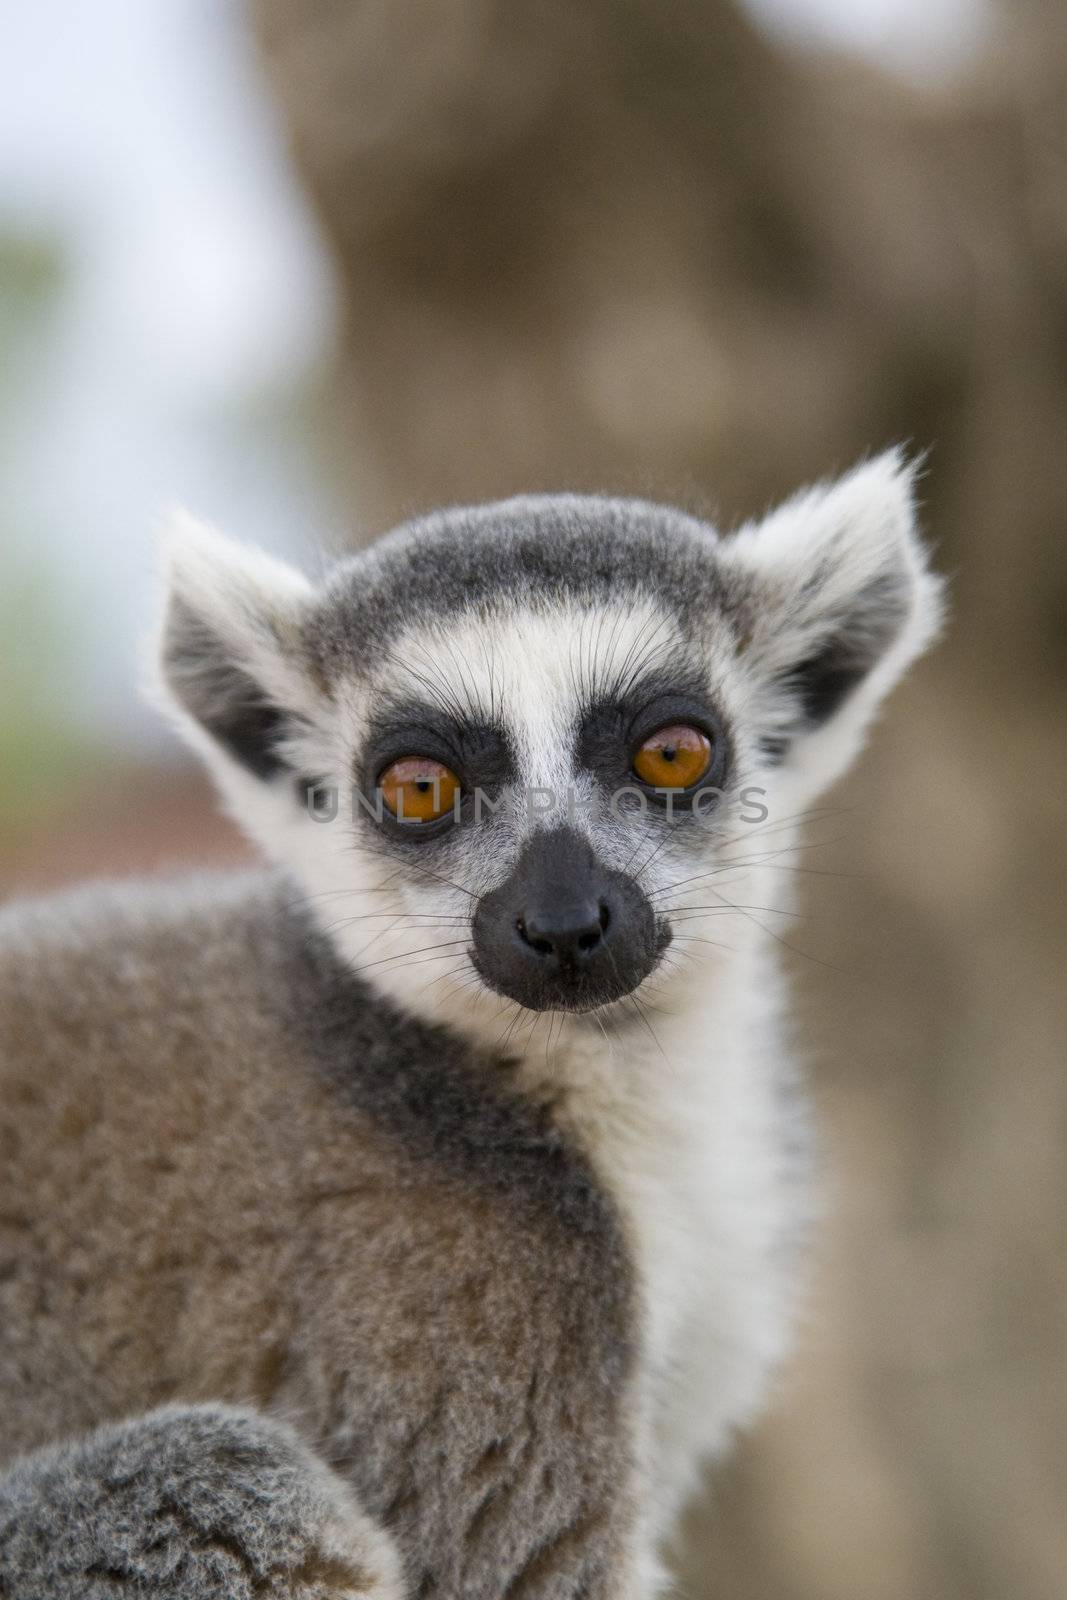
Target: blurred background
[309,267]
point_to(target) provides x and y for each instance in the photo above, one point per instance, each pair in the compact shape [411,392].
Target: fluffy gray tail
[188,1503]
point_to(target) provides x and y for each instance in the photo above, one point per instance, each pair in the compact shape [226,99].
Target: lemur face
[515,754]
[523,761]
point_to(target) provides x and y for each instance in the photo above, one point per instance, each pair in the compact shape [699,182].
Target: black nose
[564,931]
[566,934]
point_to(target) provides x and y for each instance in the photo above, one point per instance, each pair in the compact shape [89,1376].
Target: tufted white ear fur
[230,666]
[841,601]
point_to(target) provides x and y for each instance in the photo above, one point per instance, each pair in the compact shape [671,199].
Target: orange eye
[418,789]
[673,758]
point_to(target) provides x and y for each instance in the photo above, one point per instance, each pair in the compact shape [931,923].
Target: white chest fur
[696,1134]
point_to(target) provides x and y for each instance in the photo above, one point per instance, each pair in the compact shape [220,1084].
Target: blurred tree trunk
[635,246]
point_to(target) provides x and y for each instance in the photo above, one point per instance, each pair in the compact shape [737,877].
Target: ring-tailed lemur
[411,1219]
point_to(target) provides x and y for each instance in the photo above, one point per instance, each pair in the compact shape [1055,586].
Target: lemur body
[466,1150]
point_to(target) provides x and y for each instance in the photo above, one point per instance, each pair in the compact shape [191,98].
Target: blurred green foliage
[42,752]
[33,273]
[41,749]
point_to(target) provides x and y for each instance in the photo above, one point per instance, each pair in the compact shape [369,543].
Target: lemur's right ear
[230,655]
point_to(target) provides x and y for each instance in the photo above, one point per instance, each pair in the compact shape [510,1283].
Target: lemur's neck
[680,1111]
[656,1063]
[688,1122]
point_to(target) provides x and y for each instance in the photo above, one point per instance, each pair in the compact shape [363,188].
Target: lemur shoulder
[413,1216]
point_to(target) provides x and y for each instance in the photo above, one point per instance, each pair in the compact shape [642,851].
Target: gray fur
[187,1503]
[475,1399]
[584,547]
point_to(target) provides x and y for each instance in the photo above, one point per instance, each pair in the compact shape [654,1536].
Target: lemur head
[514,753]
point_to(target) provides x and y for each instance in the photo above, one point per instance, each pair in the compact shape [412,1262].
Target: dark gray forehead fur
[529,550]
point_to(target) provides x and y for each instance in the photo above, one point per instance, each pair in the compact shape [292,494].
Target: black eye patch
[611,731]
[478,752]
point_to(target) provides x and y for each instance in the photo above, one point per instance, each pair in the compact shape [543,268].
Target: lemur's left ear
[229,652]
[841,601]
